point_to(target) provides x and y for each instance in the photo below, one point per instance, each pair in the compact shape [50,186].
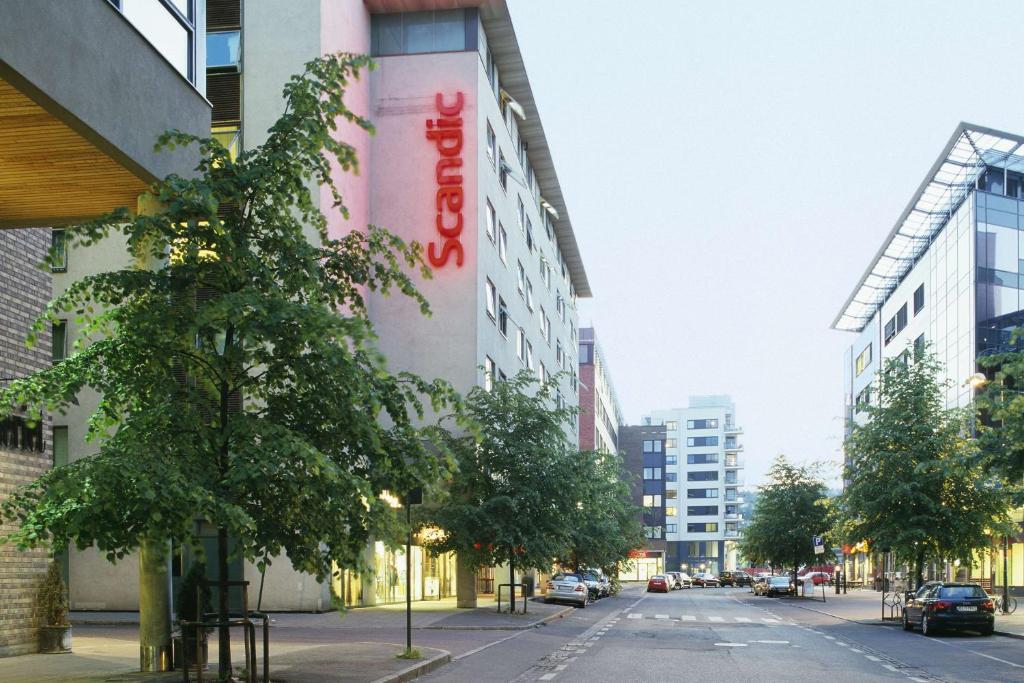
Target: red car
[817,578]
[658,583]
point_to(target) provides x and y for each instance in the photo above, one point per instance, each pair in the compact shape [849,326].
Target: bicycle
[1008,604]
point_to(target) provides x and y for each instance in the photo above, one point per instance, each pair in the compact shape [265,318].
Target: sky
[731,168]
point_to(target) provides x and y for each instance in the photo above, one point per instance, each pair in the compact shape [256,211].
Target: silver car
[568,588]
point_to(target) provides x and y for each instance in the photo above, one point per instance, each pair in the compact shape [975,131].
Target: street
[700,634]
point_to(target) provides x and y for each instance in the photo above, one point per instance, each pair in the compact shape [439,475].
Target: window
[706,475]
[701,458]
[520,344]
[492,298]
[529,293]
[652,473]
[671,425]
[919,347]
[502,244]
[502,317]
[585,355]
[560,307]
[58,251]
[671,494]
[670,476]
[488,373]
[863,400]
[60,340]
[223,50]
[702,493]
[652,531]
[701,510]
[702,528]
[730,494]
[702,424]
[521,279]
[890,330]
[521,214]
[545,326]
[229,137]
[529,355]
[492,220]
[492,145]
[648,446]
[657,446]
[398,33]
[502,171]
[529,234]
[918,299]
[572,332]
[60,446]
[863,360]
[542,373]
[671,528]
[671,459]
[652,501]
[671,443]
[670,512]
[901,318]
[702,441]
[559,356]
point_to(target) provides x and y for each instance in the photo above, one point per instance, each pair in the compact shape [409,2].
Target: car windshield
[658,578]
[962,592]
[779,580]
[572,578]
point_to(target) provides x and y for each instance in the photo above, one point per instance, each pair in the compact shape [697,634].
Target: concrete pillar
[154,606]
[465,585]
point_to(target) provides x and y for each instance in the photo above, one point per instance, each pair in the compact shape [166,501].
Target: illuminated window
[670,512]
[652,501]
[671,426]
[230,137]
[863,360]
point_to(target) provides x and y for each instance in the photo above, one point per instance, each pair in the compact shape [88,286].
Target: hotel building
[949,274]
[459,163]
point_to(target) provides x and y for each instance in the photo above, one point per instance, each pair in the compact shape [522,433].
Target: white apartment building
[702,480]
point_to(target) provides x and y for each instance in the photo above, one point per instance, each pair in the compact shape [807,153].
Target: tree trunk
[512,581]
[919,570]
[224,658]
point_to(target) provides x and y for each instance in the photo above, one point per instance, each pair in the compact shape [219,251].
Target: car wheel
[907,626]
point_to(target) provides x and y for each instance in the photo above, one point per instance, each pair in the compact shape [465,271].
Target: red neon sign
[446,133]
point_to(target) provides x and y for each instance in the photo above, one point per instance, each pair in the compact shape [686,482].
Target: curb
[512,627]
[104,622]
[416,670]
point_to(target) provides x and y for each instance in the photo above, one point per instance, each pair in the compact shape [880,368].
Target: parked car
[684,580]
[658,583]
[568,588]
[949,606]
[817,578]
[759,585]
[779,585]
[596,582]
[734,578]
[674,581]
[705,580]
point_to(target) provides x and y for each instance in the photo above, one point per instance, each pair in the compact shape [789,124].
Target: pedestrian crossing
[708,619]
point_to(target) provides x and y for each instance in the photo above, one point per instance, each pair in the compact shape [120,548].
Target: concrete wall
[24,291]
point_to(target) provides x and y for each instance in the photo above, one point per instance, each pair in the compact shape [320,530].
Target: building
[643,452]
[76,139]
[600,415]
[948,275]
[701,476]
[460,163]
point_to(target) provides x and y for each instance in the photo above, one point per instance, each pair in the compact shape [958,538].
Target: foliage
[1000,404]
[519,481]
[790,510]
[915,486]
[52,599]
[605,526]
[194,597]
[235,363]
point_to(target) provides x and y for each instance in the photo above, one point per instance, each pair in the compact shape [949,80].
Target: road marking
[716,619]
[769,621]
[841,644]
[731,644]
[919,680]
[636,616]
[831,637]
[561,667]
[772,642]
[890,667]
[547,677]
[1017,666]
[873,658]
[853,649]
[688,617]
[743,620]
[661,616]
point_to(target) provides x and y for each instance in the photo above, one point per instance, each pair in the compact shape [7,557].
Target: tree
[605,524]
[790,511]
[518,479]
[238,378]
[1000,405]
[915,486]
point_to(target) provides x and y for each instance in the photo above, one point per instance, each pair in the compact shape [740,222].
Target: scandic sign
[446,133]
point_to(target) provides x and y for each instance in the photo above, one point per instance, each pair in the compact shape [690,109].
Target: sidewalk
[358,646]
[865,607]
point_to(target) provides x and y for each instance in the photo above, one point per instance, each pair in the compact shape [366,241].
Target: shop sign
[446,134]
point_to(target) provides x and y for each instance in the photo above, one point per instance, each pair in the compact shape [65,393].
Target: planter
[193,650]
[54,639]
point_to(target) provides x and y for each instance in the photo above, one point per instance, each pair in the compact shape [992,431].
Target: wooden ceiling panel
[51,175]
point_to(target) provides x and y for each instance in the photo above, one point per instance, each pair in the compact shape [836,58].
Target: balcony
[731,428]
[733,445]
[733,461]
[734,481]
[732,534]
[733,516]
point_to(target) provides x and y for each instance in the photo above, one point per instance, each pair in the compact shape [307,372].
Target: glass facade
[169,26]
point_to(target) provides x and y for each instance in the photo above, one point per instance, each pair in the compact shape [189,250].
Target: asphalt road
[727,634]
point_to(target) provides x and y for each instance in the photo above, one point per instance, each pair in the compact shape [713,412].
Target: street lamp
[977,380]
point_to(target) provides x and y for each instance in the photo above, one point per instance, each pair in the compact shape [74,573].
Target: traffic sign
[819,545]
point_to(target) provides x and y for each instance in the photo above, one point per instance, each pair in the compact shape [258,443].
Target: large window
[919,347]
[701,458]
[492,145]
[406,33]
[918,299]
[702,528]
[702,441]
[706,475]
[701,510]
[702,424]
[652,473]
[652,531]
[652,501]
[224,50]
[671,528]
[169,26]
[702,493]
[863,360]
[670,476]
[901,318]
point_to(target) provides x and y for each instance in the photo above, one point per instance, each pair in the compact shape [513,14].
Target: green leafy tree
[915,486]
[235,363]
[791,509]
[605,524]
[518,479]
[1000,429]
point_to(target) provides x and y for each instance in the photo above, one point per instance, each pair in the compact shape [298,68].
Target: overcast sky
[731,168]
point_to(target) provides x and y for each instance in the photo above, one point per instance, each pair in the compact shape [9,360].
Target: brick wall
[587,389]
[24,291]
